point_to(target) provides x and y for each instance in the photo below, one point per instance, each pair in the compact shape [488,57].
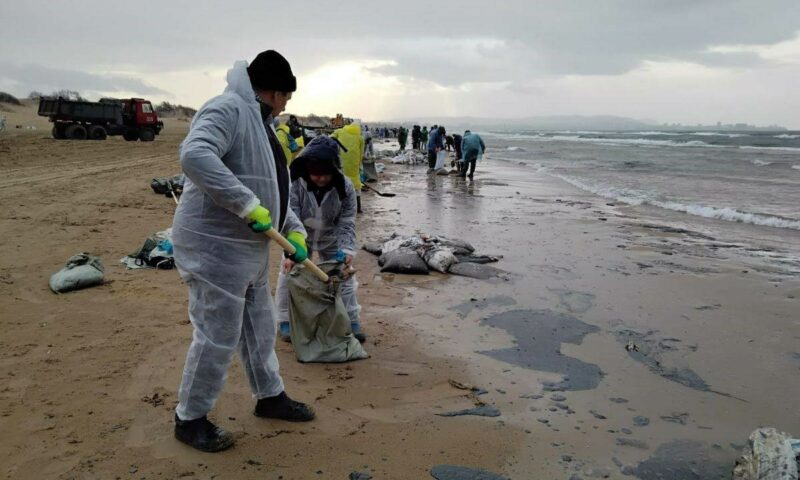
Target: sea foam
[636,197]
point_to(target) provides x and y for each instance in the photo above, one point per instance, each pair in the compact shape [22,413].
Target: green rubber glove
[259,220]
[298,241]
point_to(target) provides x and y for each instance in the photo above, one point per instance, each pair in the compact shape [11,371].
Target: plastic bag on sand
[379,167]
[81,271]
[440,259]
[319,322]
[402,260]
[399,159]
[414,241]
[440,158]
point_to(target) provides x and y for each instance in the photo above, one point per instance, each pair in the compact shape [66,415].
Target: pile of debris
[419,254]
[407,157]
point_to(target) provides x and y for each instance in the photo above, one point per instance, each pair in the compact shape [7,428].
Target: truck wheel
[58,133]
[147,135]
[130,137]
[97,132]
[75,132]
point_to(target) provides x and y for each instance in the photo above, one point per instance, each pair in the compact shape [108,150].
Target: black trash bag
[144,256]
[403,260]
[168,185]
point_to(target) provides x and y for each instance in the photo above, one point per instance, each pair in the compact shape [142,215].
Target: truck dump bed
[70,110]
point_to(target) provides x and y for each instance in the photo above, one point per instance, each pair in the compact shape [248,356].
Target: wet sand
[617,345]
[89,377]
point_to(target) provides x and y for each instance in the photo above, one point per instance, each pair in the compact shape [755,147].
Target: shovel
[379,193]
[271,233]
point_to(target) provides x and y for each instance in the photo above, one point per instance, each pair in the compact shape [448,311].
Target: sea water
[737,186]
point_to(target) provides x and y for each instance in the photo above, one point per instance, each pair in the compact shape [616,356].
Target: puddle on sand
[648,349]
[685,460]
[464,308]
[539,335]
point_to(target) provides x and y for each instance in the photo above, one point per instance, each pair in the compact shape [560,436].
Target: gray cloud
[46,80]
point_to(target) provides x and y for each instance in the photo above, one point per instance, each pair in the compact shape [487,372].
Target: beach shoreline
[91,376]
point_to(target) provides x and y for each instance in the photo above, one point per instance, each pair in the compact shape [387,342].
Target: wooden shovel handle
[288,247]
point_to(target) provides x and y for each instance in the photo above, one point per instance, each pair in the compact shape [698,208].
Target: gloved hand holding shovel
[261,221]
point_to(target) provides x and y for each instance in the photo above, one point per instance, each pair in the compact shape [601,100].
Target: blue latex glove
[340,256]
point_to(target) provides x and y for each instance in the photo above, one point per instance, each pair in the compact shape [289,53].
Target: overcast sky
[688,61]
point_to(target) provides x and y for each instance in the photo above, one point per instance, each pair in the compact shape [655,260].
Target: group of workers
[245,177]
[468,149]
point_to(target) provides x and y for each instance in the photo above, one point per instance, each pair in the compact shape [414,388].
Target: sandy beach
[613,347]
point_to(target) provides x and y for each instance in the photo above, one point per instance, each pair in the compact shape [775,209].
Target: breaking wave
[779,149]
[636,197]
[796,167]
[786,135]
[760,163]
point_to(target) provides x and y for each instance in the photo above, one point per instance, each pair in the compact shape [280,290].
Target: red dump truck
[133,118]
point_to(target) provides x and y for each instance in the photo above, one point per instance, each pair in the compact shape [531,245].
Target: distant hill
[8,98]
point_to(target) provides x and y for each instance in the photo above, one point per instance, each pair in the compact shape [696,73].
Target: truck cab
[141,118]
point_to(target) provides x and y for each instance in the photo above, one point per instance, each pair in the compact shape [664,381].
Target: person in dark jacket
[402,138]
[416,135]
[457,147]
[435,145]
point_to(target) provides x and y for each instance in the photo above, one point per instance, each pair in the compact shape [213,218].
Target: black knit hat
[270,71]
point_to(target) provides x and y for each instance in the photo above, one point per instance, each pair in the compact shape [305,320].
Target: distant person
[472,147]
[457,147]
[402,137]
[416,135]
[369,149]
[435,145]
[295,129]
[423,138]
[288,142]
[448,142]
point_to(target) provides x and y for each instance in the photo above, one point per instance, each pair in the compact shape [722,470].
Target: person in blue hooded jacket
[325,200]
[237,188]
[472,148]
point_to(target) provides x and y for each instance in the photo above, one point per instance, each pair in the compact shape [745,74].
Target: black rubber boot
[357,332]
[358,204]
[202,435]
[284,408]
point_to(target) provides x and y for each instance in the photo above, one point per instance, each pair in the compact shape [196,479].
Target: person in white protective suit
[237,187]
[324,199]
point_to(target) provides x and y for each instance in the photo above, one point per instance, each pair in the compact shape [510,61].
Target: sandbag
[475,270]
[403,260]
[440,259]
[374,248]
[80,271]
[320,326]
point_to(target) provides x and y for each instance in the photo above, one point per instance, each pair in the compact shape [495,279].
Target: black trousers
[431,159]
[468,165]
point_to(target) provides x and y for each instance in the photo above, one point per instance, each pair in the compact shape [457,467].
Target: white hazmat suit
[230,169]
[331,226]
